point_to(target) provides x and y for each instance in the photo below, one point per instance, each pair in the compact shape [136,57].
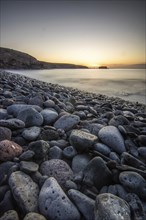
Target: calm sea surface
[129,84]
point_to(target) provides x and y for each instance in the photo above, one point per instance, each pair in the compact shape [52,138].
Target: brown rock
[9,150]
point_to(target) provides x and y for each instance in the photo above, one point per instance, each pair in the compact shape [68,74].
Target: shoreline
[69,154]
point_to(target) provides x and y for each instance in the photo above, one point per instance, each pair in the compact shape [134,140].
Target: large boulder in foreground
[54,204]
[111,207]
[25,191]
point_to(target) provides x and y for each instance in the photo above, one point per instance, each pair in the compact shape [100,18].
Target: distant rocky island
[13,59]
[103,67]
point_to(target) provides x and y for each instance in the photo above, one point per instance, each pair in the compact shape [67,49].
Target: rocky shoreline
[69,155]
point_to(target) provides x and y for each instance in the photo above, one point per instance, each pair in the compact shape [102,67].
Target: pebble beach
[66,154]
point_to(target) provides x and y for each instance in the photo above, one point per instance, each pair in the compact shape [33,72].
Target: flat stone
[81,140]
[54,204]
[16,108]
[30,117]
[102,148]
[34,216]
[27,155]
[58,169]
[96,173]
[49,116]
[109,206]
[12,123]
[31,133]
[10,215]
[85,204]
[5,134]
[67,122]
[134,183]
[28,167]
[111,136]
[25,191]
[9,150]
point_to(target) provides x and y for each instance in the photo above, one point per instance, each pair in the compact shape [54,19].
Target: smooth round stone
[102,148]
[25,191]
[142,152]
[5,134]
[58,169]
[30,117]
[12,123]
[16,108]
[79,162]
[81,140]
[3,114]
[118,120]
[55,153]
[49,116]
[67,122]
[54,204]
[27,155]
[49,104]
[69,152]
[133,182]
[10,215]
[83,203]
[37,100]
[96,173]
[9,150]
[28,167]
[31,133]
[34,216]
[40,148]
[109,206]
[111,136]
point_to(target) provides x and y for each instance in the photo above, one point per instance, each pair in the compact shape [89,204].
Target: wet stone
[81,140]
[54,204]
[109,206]
[25,191]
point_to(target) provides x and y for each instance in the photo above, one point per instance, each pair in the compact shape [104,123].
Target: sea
[128,84]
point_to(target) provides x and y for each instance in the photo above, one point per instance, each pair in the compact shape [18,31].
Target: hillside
[13,59]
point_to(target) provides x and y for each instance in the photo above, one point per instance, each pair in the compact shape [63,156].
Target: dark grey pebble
[95,170]
[5,134]
[7,203]
[79,162]
[69,152]
[27,155]
[28,167]
[55,153]
[85,204]
[67,122]
[12,123]
[102,148]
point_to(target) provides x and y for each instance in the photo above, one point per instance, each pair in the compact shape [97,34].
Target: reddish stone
[9,150]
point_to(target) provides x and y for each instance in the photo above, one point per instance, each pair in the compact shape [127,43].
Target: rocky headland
[13,59]
[69,155]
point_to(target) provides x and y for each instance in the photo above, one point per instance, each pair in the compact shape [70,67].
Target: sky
[87,32]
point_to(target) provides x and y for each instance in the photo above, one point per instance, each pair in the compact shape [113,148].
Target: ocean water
[128,84]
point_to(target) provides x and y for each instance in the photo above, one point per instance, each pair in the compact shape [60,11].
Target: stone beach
[66,154]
